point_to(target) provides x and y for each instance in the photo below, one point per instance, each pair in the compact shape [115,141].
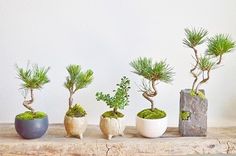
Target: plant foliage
[217,46]
[194,37]
[152,72]
[34,77]
[121,97]
[76,80]
[205,63]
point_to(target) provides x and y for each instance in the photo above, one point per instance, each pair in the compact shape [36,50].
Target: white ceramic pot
[112,127]
[151,128]
[75,126]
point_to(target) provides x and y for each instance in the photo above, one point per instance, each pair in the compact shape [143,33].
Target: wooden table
[218,141]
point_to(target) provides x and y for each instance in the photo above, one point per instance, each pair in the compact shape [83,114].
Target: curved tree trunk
[115,110]
[196,59]
[204,80]
[195,80]
[147,95]
[28,103]
[194,68]
[220,59]
[70,100]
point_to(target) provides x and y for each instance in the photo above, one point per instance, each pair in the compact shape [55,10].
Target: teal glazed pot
[31,129]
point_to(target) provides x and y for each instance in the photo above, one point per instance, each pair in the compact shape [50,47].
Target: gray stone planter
[31,129]
[193,114]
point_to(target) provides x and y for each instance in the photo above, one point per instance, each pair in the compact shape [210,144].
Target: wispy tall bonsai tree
[217,46]
[77,80]
[153,72]
[32,78]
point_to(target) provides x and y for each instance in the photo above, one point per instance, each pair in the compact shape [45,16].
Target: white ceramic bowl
[151,128]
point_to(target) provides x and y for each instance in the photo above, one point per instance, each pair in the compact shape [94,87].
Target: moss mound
[111,114]
[200,94]
[28,115]
[76,111]
[185,115]
[152,114]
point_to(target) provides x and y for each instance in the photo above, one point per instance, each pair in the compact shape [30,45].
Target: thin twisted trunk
[147,95]
[70,100]
[204,80]
[195,81]
[197,60]
[115,110]
[194,68]
[27,103]
[220,59]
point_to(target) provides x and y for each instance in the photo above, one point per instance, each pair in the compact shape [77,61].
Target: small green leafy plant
[118,101]
[153,73]
[217,46]
[33,77]
[75,81]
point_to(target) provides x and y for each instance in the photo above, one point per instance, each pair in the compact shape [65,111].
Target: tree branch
[151,93]
[195,80]
[194,68]
[70,99]
[220,59]
[204,80]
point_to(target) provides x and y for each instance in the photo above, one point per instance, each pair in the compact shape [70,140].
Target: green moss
[149,114]
[31,115]
[76,111]
[200,94]
[112,114]
[192,93]
[185,115]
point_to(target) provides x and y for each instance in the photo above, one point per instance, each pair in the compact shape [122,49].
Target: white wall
[105,36]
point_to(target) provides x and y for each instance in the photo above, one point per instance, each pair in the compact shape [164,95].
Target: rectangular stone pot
[193,114]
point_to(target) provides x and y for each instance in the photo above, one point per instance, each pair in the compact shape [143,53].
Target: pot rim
[76,117]
[188,90]
[165,118]
[111,118]
[46,116]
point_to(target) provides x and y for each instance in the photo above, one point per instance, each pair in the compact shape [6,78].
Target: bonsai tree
[33,78]
[153,73]
[75,81]
[118,101]
[217,46]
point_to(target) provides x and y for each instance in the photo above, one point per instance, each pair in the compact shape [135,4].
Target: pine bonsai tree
[153,73]
[75,81]
[217,46]
[118,101]
[33,77]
